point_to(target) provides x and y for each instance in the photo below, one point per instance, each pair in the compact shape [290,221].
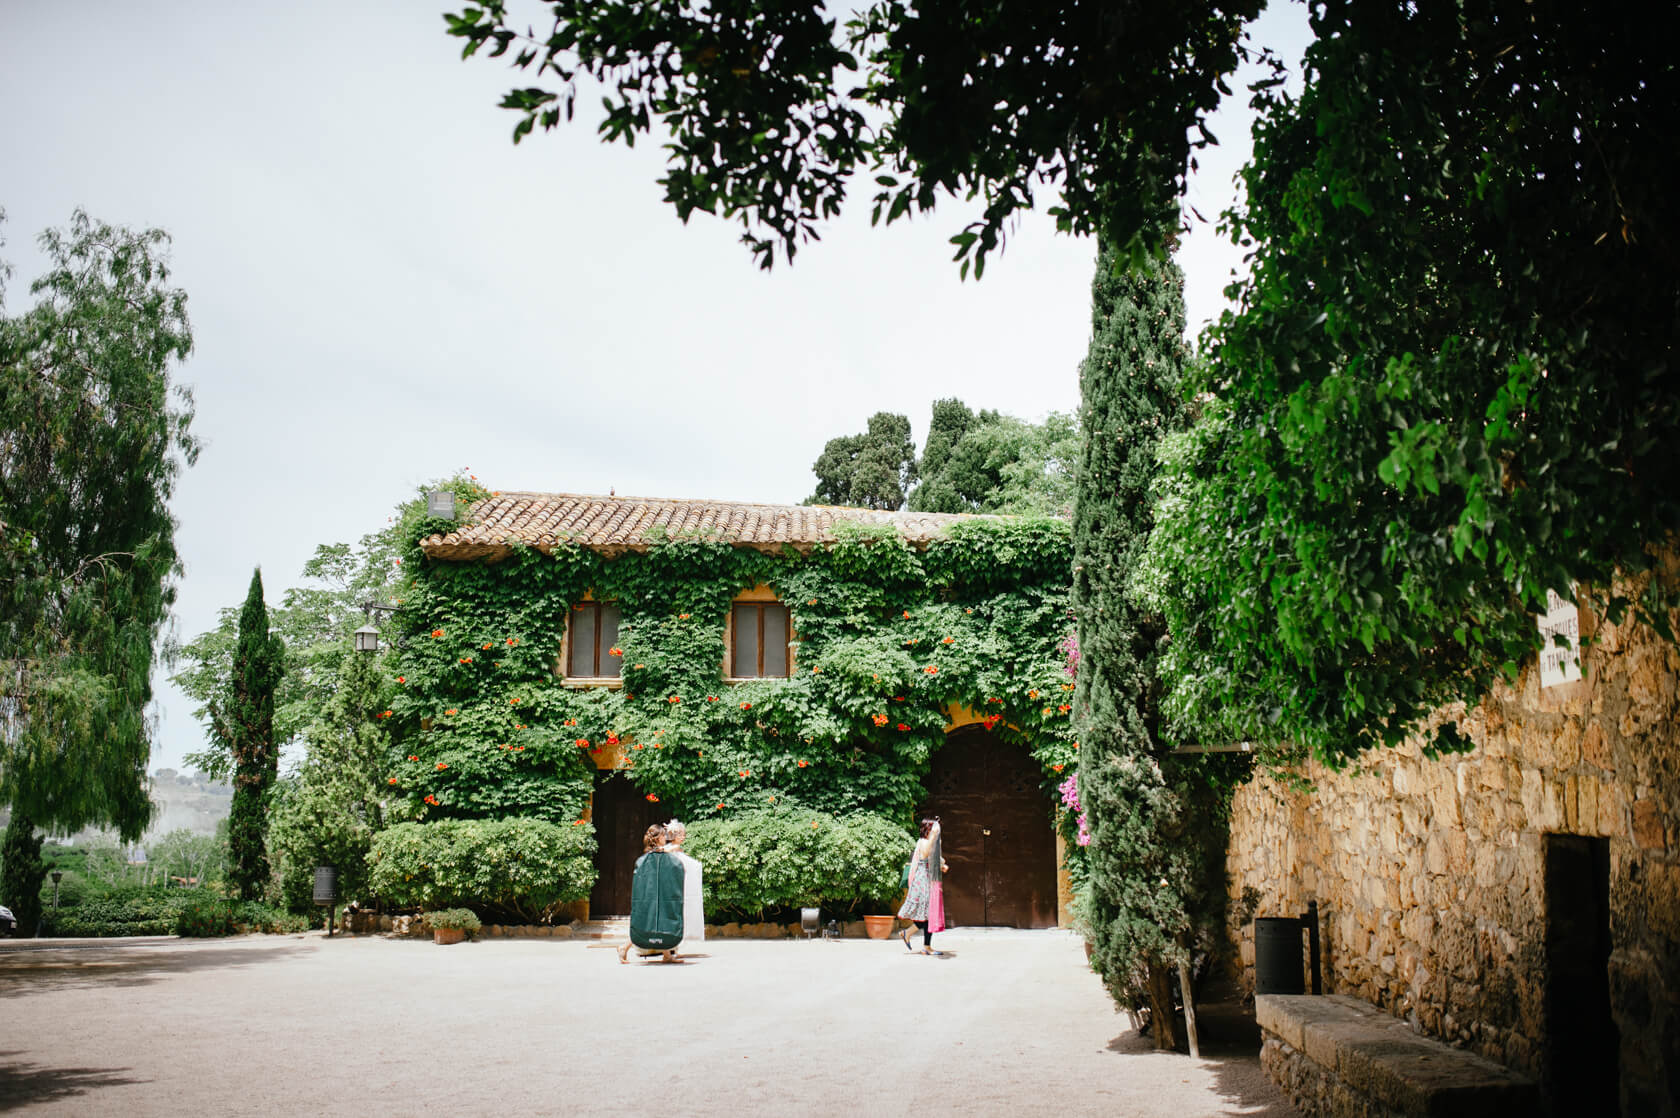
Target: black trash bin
[1277,956]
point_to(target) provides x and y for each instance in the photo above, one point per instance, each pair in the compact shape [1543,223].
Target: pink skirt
[936,908]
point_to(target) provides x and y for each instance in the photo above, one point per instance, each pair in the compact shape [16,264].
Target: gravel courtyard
[1009,1023]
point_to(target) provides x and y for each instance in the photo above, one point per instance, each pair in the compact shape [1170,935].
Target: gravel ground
[1007,1023]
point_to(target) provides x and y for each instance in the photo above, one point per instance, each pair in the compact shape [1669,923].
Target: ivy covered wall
[888,639]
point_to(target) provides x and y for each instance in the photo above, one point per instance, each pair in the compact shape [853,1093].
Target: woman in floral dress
[915,906]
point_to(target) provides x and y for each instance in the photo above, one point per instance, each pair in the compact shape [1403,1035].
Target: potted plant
[879,927]
[451,925]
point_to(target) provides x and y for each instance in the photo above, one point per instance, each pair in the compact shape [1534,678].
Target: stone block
[1648,830]
[1595,746]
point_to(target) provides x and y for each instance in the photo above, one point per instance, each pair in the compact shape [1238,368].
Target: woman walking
[920,895]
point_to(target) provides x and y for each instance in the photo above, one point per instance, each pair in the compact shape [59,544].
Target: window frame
[787,641]
[601,647]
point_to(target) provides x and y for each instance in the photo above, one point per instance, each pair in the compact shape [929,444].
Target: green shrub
[463,918]
[259,917]
[779,859]
[126,911]
[206,916]
[521,867]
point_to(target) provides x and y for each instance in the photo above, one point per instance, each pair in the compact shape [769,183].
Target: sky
[384,290]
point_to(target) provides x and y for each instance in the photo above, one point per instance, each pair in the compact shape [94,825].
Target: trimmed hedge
[763,860]
[125,912]
[522,867]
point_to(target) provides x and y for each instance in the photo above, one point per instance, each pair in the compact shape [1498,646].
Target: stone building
[988,772]
[1521,900]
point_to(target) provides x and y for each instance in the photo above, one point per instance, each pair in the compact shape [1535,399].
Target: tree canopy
[869,470]
[1450,385]
[93,435]
[971,462]
[772,110]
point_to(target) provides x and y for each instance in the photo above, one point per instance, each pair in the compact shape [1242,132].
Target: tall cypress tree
[1141,870]
[244,720]
[21,872]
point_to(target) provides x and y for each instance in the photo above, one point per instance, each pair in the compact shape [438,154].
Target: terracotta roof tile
[544,520]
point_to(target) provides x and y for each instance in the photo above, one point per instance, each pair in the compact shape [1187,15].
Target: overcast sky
[384,290]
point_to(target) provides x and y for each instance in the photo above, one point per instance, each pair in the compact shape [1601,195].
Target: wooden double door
[622,815]
[999,839]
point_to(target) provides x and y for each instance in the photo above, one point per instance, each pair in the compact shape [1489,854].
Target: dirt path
[1009,1023]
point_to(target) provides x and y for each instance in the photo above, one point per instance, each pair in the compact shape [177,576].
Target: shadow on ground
[43,966]
[1229,1039]
[26,1084]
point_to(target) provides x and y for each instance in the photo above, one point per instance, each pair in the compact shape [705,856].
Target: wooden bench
[1336,1056]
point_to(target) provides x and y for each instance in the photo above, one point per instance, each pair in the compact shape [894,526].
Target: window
[760,645]
[594,634]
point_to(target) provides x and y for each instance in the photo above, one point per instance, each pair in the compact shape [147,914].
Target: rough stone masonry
[1431,875]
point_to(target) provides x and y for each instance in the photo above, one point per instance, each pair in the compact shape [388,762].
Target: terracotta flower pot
[448,935]
[879,927]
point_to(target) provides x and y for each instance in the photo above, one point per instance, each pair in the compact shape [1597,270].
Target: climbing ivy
[888,635]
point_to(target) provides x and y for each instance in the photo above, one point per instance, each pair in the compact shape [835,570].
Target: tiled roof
[614,524]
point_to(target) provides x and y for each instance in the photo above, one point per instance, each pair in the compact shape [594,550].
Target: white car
[8,922]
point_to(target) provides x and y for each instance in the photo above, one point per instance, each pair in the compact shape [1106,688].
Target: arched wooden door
[621,815]
[999,841]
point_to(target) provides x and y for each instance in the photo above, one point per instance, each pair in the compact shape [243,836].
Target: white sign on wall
[1558,663]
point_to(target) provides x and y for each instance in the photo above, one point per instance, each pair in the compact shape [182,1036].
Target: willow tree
[1143,873]
[93,435]
[244,720]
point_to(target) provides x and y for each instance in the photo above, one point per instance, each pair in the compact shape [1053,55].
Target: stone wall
[1429,875]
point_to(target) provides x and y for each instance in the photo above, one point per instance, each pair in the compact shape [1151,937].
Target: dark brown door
[621,815]
[998,841]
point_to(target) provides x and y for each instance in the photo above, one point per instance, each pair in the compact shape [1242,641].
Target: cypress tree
[21,873]
[1141,869]
[244,720]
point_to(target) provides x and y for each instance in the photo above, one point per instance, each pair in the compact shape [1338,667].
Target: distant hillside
[188,800]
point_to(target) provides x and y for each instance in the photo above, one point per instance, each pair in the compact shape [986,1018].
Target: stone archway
[999,841]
